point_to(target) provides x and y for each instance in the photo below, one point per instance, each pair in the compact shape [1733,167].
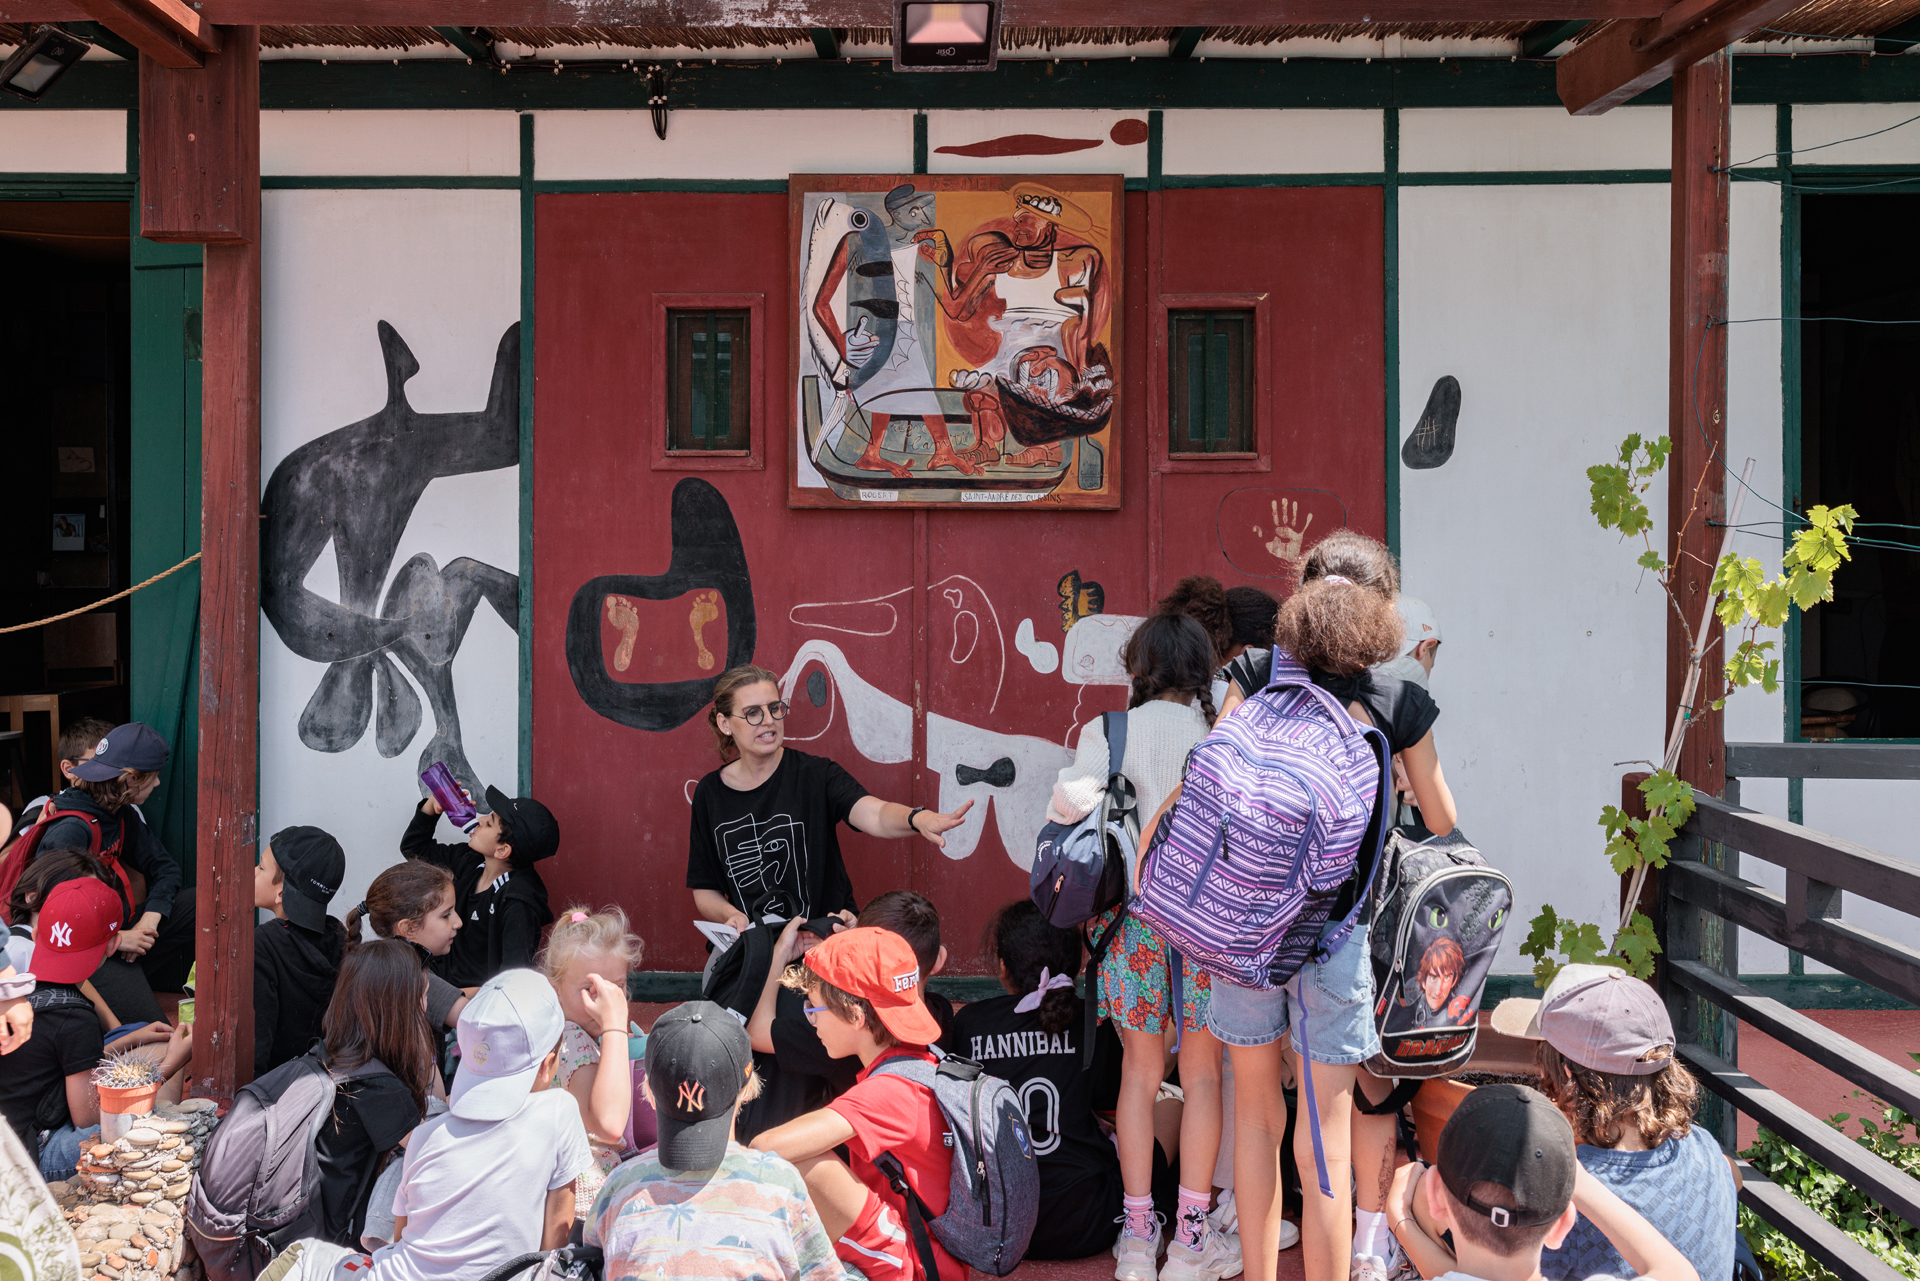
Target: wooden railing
[1705,894]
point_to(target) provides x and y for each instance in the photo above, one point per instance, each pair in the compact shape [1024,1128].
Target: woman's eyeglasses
[756,714]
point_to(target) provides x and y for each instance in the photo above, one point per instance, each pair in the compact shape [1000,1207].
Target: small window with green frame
[1210,392]
[708,397]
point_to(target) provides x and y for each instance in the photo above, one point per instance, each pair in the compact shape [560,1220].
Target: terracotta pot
[120,1108]
[1431,1107]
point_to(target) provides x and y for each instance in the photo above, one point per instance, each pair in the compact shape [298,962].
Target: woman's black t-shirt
[1401,709]
[774,850]
[1045,1068]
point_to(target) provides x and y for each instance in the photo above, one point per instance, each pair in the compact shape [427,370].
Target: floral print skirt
[1136,987]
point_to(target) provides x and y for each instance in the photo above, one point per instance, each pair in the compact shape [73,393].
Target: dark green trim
[1183,42]
[133,150]
[1790,447]
[94,33]
[66,186]
[919,142]
[525,621]
[1111,83]
[1390,346]
[553,185]
[466,42]
[826,46]
[1543,38]
[385,182]
[672,985]
[1535,177]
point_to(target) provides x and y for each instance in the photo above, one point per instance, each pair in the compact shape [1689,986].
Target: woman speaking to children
[764,839]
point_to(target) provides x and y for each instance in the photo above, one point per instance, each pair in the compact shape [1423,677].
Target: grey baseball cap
[1600,1017]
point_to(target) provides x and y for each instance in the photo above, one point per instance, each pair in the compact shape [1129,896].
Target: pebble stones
[124,1204]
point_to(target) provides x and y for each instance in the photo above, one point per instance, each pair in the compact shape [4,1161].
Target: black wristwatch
[911,815]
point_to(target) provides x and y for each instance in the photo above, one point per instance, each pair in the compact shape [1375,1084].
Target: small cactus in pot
[127,1070]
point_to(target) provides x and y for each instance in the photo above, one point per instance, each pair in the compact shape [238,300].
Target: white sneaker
[1137,1257]
[1367,1267]
[1225,1216]
[1399,1266]
[1214,1260]
[1289,1235]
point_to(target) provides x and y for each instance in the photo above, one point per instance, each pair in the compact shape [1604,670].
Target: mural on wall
[689,617]
[354,490]
[956,339]
[1265,532]
[1431,442]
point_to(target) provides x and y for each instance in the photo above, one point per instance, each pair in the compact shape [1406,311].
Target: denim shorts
[1334,1000]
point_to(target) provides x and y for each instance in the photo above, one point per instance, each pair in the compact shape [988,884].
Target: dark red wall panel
[907,628]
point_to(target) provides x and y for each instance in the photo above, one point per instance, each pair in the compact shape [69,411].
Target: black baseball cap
[1514,1137]
[697,1060]
[532,831]
[129,746]
[312,865]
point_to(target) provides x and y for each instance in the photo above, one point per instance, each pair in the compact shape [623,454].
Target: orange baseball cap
[878,965]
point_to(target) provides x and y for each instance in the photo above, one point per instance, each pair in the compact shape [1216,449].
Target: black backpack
[257,1188]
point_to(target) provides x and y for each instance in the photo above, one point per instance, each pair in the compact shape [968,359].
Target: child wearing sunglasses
[765,841]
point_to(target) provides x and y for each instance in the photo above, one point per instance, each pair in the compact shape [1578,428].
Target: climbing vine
[1745,601]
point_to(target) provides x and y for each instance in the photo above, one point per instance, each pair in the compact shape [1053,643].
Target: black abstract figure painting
[356,488]
[1431,443]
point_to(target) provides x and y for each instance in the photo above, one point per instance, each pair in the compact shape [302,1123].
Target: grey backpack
[994,1196]
[1080,869]
[257,1189]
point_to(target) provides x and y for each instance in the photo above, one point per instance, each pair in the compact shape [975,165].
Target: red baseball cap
[878,965]
[76,926]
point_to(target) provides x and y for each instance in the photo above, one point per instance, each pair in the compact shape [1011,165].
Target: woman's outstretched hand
[934,825]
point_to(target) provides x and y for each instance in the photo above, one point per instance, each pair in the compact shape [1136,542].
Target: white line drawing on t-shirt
[767,863]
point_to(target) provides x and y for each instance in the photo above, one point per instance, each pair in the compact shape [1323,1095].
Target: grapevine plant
[1746,602]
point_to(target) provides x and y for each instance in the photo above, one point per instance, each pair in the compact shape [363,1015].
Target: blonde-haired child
[587,957]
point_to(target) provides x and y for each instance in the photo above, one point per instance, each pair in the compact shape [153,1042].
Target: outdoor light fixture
[946,37]
[35,65]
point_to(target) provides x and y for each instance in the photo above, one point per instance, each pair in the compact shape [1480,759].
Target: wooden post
[200,181]
[1697,396]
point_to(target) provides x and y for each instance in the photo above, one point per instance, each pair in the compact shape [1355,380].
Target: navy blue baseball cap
[129,746]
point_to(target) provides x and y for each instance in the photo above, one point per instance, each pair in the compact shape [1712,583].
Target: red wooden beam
[171,33]
[1625,61]
[800,14]
[1697,394]
[200,181]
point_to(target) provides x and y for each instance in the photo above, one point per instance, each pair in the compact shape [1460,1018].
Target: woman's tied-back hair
[578,930]
[404,892]
[1022,939]
[376,1014]
[1251,612]
[1202,598]
[1341,617]
[1601,1105]
[1170,653]
[731,682]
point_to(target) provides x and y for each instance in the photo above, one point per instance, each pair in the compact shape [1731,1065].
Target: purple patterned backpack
[1276,829]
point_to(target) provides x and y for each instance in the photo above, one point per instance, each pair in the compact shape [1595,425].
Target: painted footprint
[621,613]
[706,608]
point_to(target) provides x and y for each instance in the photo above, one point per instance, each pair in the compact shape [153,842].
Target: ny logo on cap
[693,1097]
[61,935]
[906,982]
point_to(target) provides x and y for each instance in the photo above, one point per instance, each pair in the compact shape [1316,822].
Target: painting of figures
[957,340]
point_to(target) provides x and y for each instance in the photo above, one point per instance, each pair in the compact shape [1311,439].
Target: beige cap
[1600,1017]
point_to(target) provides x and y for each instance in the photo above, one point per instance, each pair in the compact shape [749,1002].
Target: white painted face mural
[967,652]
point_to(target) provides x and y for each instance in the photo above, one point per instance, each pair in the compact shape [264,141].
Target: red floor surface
[1892,1034]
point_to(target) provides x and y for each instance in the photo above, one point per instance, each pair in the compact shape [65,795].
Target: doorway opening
[66,362]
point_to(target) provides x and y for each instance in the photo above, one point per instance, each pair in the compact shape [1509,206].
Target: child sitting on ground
[863,993]
[1032,1039]
[587,958]
[1606,1058]
[415,902]
[800,1075]
[48,1082]
[51,868]
[492,1179]
[700,1203]
[1510,1185]
[502,899]
[296,956]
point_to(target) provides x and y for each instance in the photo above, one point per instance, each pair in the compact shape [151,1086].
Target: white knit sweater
[1159,736]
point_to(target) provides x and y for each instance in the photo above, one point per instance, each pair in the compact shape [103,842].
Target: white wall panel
[1207,142]
[1817,126]
[443,268]
[1112,135]
[1501,139]
[46,140]
[380,143]
[575,145]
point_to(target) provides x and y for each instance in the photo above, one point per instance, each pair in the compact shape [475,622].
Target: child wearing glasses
[764,840]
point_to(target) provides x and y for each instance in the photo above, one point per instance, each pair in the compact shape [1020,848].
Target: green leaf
[1635,947]
[1581,944]
[1650,559]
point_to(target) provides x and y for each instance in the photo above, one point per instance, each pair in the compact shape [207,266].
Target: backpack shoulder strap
[889,1165]
[1114,724]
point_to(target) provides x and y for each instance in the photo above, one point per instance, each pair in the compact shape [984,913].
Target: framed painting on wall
[957,340]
